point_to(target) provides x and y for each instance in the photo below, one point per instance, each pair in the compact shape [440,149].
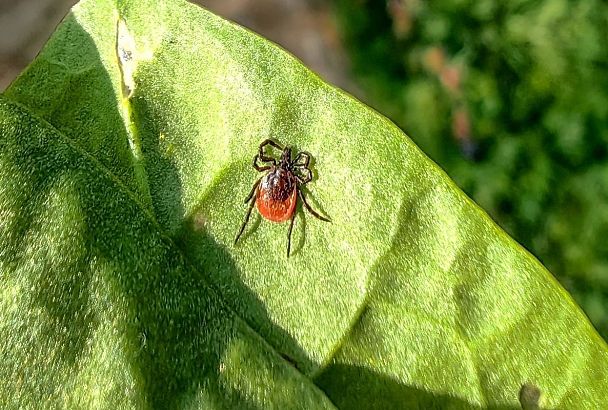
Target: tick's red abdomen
[276,196]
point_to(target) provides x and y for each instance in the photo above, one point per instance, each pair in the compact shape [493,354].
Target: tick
[276,193]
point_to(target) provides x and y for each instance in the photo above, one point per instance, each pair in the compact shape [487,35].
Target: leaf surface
[124,161]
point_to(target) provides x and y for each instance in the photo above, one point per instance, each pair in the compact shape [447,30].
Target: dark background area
[510,99]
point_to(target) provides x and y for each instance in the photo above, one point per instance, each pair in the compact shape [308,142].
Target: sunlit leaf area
[126,160]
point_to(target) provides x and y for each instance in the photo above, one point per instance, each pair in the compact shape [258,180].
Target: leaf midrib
[131,127]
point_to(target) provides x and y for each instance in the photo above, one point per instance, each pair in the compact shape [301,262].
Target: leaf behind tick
[125,157]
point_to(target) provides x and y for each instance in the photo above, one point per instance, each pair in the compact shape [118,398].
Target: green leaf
[125,156]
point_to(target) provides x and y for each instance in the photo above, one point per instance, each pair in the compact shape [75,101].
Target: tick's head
[286,157]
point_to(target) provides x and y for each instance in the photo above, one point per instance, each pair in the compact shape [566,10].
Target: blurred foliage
[511,99]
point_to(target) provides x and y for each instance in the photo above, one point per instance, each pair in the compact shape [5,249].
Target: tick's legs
[250,198]
[253,190]
[263,157]
[244,222]
[265,167]
[302,155]
[307,178]
[312,211]
[293,218]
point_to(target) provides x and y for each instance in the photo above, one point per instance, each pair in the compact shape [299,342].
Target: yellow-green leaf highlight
[125,156]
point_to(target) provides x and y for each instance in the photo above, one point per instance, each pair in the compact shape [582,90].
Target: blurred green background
[510,98]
